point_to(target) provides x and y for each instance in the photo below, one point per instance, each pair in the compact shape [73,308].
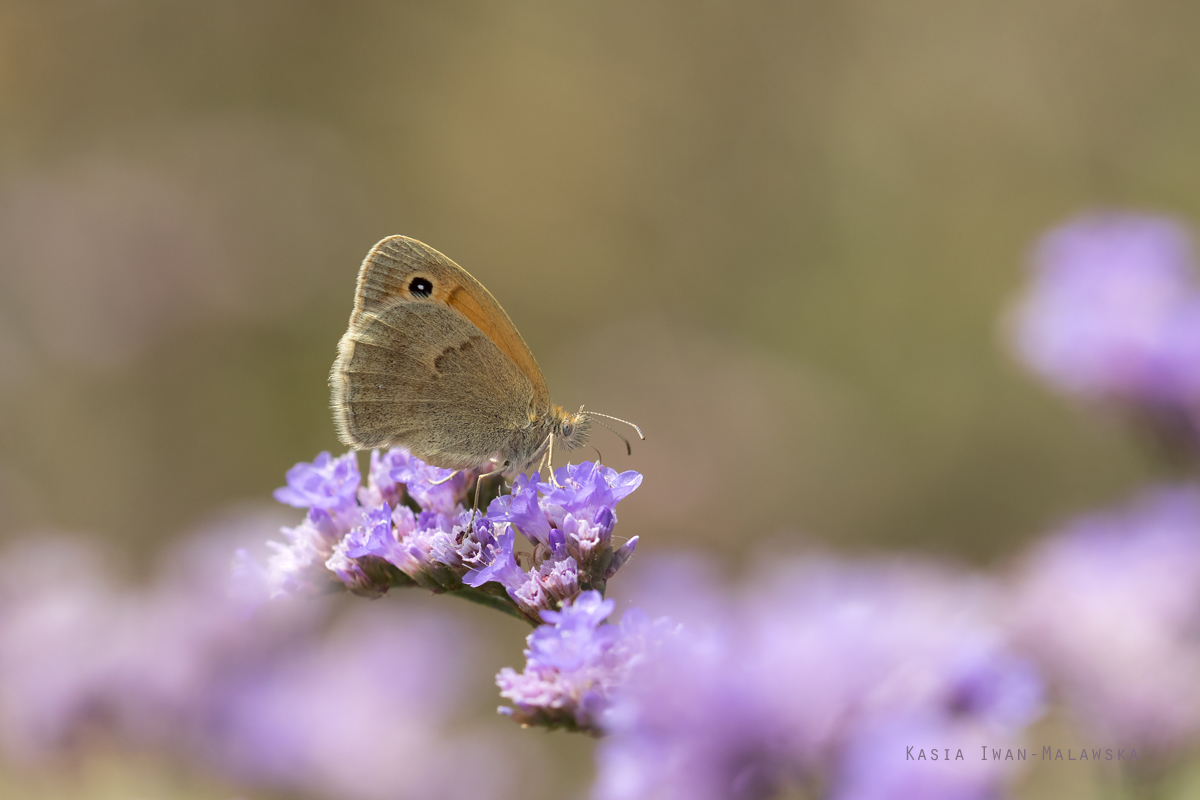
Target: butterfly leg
[502,467]
[478,482]
[440,481]
[550,464]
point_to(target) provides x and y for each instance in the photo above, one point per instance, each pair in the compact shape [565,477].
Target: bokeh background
[779,236]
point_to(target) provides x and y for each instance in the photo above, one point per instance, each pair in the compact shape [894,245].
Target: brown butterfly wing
[388,272]
[421,376]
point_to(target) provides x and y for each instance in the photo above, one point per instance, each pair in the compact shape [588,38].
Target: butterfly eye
[567,429]
[421,287]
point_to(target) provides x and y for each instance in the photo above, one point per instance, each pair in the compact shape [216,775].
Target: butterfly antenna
[641,435]
[628,446]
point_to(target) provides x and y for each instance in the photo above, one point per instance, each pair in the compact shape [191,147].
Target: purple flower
[431,487]
[1113,310]
[574,664]
[551,583]
[381,486]
[375,537]
[428,547]
[1110,607]
[588,491]
[585,614]
[494,561]
[298,567]
[431,551]
[91,652]
[349,536]
[361,558]
[366,706]
[328,483]
[361,715]
[620,556]
[554,580]
[795,679]
[924,757]
[367,539]
[522,507]
[571,527]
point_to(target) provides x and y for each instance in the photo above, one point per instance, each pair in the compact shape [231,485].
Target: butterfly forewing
[399,268]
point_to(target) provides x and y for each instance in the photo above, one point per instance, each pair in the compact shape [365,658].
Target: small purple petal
[620,556]
[521,508]
[500,564]
[326,483]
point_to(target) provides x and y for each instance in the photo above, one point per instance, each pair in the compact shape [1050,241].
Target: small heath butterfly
[432,363]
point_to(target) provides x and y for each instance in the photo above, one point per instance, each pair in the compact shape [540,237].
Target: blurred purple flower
[54,646]
[179,669]
[1110,607]
[923,757]
[797,680]
[1113,310]
[88,651]
[574,664]
[298,567]
[359,716]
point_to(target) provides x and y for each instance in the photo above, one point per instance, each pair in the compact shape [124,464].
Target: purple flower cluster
[575,665]
[1113,312]
[409,526]
[822,675]
[569,523]
[1110,606]
[359,715]
[844,675]
[284,699]
[815,677]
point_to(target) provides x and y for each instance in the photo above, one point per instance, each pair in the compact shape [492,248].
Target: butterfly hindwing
[422,376]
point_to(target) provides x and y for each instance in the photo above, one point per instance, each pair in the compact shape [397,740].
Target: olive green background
[779,236]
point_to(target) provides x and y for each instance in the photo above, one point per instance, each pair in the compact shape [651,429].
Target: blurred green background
[778,236]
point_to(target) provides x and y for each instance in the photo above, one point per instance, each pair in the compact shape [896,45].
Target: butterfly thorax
[531,444]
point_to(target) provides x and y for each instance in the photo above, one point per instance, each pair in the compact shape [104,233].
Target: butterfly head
[570,430]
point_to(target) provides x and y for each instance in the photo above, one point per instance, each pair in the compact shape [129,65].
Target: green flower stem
[497,600]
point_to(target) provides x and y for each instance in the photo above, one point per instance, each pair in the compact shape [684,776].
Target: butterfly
[432,363]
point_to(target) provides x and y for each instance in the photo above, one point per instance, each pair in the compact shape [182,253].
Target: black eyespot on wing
[421,287]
